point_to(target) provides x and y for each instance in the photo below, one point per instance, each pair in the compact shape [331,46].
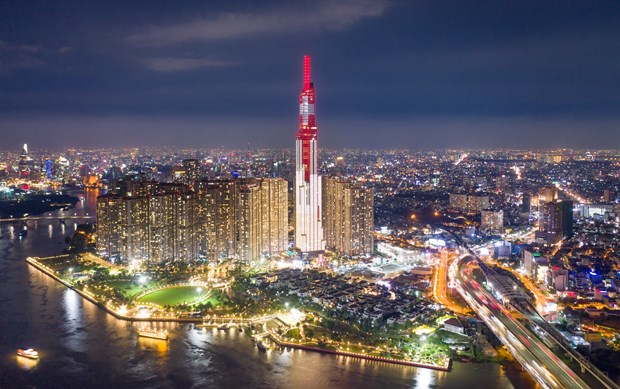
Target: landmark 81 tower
[308,228]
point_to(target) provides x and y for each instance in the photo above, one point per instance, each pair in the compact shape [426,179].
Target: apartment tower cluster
[244,219]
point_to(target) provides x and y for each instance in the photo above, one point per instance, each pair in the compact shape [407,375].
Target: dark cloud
[18,56]
[172,64]
[428,73]
[229,25]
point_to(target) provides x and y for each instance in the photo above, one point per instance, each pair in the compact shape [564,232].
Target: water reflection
[160,346]
[26,363]
[424,380]
[74,330]
[72,303]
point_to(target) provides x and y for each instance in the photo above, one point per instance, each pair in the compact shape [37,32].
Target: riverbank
[35,204]
[35,262]
[282,343]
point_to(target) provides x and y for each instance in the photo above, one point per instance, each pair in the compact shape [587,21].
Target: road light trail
[540,362]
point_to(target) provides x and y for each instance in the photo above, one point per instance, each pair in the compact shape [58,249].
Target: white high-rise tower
[308,211]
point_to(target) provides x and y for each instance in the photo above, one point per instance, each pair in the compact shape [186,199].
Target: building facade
[244,219]
[469,203]
[159,227]
[555,221]
[308,209]
[218,218]
[349,216]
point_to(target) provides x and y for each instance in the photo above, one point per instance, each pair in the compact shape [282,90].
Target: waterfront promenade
[215,320]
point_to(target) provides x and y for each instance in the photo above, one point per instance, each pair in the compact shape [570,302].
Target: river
[83,347]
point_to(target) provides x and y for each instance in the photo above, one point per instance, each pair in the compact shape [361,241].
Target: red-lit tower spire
[308,227]
[307,121]
[306,72]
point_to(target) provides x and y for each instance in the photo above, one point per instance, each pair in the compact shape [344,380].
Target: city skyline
[392,73]
[456,224]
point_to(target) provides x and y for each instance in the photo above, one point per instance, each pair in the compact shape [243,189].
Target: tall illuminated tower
[308,212]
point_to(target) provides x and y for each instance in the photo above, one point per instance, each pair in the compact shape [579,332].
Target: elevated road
[535,357]
[473,279]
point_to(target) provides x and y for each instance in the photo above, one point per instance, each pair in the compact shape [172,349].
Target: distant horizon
[434,133]
[292,148]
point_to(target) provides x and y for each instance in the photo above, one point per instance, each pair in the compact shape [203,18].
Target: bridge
[531,340]
[35,218]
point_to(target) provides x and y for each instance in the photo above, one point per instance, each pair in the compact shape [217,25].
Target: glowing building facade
[158,226]
[349,216]
[218,218]
[308,212]
[244,218]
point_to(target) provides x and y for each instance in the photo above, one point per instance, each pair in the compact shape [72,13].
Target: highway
[469,272]
[535,357]
[440,284]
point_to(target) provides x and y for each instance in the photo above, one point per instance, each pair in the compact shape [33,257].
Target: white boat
[146,333]
[27,353]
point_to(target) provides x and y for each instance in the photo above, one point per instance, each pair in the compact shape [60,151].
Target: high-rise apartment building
[162,227]
[155,227]
[243,218]
[274,216]
[349,216]
[192,170]
[187,238]
[308,211]
[249,216]
[469,203]
[135,229]
[111,216]
[218,217]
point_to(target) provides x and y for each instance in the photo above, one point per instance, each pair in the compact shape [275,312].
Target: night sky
[416,74]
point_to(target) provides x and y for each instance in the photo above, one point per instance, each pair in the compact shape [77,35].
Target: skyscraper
[349,216]
[274,216]
[26,164]
[217,213]
[244,218]
[148,227]
[555,221]
[249,221]
[308,212]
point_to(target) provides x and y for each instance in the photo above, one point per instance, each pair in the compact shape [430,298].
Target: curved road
[536,358]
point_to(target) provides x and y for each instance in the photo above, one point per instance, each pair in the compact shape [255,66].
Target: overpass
[487,292]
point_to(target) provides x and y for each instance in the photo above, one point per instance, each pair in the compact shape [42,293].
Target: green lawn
[176,295]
